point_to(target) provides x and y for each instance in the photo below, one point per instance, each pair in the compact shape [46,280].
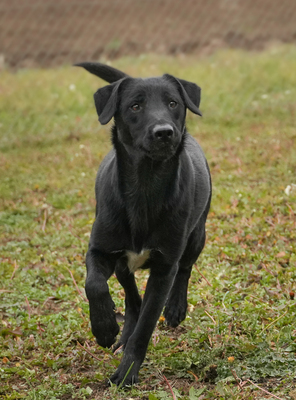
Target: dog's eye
[172,104]
[136,107]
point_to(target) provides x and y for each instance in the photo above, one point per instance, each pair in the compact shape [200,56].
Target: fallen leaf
[281,254]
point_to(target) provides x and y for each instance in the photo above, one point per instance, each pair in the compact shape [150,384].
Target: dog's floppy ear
[106,100]
[190,93]
[109,74]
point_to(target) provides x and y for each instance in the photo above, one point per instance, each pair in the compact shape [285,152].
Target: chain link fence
[52,32]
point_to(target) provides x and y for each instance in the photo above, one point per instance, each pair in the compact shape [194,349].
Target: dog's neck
[148,186]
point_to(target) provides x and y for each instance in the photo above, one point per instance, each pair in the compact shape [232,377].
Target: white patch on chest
[136,260]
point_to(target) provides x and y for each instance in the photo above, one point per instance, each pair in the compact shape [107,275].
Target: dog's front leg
[158,287]
[133,302]
[100,267]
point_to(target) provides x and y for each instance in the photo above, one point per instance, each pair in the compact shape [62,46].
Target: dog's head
[149,113]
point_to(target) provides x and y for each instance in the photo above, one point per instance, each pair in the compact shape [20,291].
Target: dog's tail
[104,71]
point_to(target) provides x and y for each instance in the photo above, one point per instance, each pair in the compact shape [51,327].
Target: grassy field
[239,338]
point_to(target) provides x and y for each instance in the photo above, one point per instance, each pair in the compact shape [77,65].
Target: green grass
[241,321]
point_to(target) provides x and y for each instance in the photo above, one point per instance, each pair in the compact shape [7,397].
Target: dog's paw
[105,332]
[107,339]
[126,374]
[103,320]
[105,328]
[175,313]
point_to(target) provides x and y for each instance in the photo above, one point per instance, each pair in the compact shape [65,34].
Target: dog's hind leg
[176,305]
[133,301]
[100,267]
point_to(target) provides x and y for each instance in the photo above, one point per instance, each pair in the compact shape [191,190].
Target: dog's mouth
[160,153]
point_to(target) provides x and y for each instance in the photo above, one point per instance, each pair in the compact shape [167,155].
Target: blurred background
[54,34]
[45,33]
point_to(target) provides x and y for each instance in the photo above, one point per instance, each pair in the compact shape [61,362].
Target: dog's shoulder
[194,151]
[107,174]
[198,165]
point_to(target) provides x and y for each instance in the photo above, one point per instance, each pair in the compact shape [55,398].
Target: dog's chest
[136,260]
[144,211]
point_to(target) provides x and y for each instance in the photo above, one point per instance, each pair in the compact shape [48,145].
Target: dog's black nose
[163,132]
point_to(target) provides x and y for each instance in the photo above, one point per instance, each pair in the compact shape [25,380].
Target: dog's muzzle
[163,141]
[163,133]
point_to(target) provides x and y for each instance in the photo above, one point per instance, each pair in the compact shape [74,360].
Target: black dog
[153,193]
